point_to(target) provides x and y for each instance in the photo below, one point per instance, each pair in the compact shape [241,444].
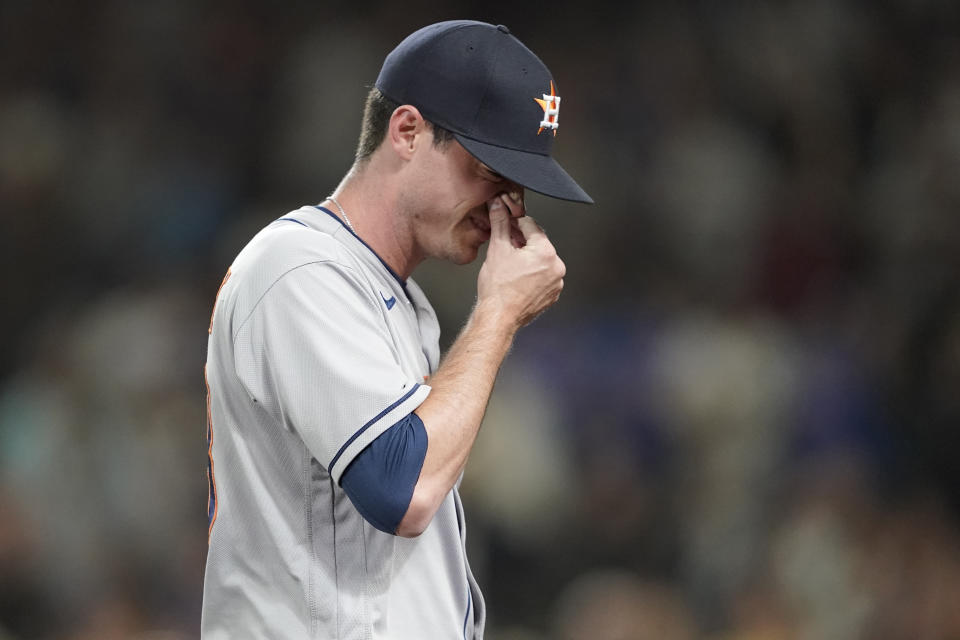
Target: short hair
[376,119]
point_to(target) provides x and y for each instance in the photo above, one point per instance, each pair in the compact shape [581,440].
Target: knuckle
[559,268]
[547,247]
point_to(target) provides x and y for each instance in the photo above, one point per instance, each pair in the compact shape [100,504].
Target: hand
[522,274]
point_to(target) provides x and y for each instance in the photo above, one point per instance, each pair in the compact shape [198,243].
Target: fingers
[530,229]
[509,220]
[499,220]
[516,236]
[514,201]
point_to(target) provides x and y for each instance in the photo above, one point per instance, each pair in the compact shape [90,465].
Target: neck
[369,200]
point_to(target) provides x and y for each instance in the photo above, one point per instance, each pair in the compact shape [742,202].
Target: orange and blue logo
[551,110]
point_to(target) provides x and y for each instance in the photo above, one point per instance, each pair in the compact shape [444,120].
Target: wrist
[490,317]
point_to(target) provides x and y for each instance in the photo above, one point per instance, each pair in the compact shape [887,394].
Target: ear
[407,129]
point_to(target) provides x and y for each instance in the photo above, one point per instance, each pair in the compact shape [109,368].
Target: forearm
[453,411]
[517,281]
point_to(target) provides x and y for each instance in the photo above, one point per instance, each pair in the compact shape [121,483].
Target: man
[333,463]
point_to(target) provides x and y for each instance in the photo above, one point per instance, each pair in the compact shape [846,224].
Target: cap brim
[534,171]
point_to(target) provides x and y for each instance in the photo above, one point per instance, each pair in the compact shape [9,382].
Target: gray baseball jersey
[316,348]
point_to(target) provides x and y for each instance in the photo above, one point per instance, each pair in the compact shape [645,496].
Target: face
[447,201]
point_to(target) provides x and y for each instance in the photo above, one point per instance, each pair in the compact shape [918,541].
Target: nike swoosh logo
[392,300]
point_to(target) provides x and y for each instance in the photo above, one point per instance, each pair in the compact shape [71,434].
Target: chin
[465,257]
[463,250]
[464,254]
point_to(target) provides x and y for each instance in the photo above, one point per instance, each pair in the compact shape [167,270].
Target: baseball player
[337,436]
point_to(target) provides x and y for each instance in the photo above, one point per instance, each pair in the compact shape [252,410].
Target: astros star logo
[551,110]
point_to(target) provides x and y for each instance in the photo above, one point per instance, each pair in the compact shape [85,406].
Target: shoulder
[286,244]
[281,249]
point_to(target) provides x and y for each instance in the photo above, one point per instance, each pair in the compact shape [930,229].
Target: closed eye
[490,174]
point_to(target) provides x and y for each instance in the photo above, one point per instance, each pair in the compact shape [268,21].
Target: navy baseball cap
[494,94]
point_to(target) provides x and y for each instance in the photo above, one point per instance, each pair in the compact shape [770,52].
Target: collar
[344,227]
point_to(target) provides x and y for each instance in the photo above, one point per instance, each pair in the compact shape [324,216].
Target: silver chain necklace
[342,213]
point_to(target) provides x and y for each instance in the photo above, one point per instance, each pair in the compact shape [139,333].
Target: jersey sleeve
[317,353]
[381,479]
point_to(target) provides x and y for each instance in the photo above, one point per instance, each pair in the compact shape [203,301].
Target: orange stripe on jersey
[214,310]
[211,479]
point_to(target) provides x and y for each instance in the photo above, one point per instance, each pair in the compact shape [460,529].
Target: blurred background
[736,424]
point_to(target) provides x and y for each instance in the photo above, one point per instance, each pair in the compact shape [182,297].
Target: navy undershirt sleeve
[381,479]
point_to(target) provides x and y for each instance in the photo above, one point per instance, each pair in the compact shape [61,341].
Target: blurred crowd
[735,425]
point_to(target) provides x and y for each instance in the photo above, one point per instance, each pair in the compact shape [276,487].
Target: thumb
[499,220]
